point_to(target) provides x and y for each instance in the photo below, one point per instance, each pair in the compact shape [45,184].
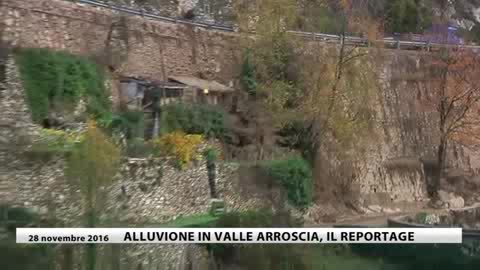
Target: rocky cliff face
[395,166]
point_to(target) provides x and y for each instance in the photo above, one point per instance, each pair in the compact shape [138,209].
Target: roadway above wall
[349,40]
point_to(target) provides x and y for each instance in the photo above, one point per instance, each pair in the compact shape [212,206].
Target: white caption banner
[237,235]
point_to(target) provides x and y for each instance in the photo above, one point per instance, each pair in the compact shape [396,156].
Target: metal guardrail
[153,16]
[349,40]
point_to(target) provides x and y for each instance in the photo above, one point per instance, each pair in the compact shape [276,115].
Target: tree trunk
[67,257]
[323,188]
[440,166]
[91,249]
[211,170]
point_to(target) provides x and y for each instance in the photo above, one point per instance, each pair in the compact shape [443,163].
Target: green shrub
[21,214]
[421,218]
[247,76]
[138,148]
[17,256]
[299,135]
[247,219]
[210,155]
[26,257]
[256,256]
[14,217]
[130,123]
[217,208]
[325,20]
[405,16]
[295,175]
[52,142]
[179,145]
[58,80]
[193,119]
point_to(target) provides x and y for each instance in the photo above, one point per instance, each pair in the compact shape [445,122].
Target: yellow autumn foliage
[93,163]
[182,146]
[61,135]
[55,139]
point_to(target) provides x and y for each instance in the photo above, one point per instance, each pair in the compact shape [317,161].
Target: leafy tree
[326,89]
[449,88]
[91,166]
[267,65]
[474,33]
[336,98]
[405,16]
[271,50]
[247,76]
[321,16]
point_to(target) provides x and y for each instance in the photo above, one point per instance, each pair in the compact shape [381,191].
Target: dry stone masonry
[394,166]
[156,49]
[153,191]
[391,169]
[147,191]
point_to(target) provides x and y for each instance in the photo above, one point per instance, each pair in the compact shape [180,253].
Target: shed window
[171,93]
[132,90]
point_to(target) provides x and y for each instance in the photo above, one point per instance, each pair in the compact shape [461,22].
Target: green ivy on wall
[56,81]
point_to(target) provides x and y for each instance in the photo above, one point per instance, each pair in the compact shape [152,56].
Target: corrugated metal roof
[156,83]
[201,84]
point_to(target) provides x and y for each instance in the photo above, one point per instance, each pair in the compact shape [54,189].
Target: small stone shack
[139,94]
[148,96]
[203,91]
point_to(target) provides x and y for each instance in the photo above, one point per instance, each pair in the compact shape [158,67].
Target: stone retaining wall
[155,191]
[134,46]
[130,45]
